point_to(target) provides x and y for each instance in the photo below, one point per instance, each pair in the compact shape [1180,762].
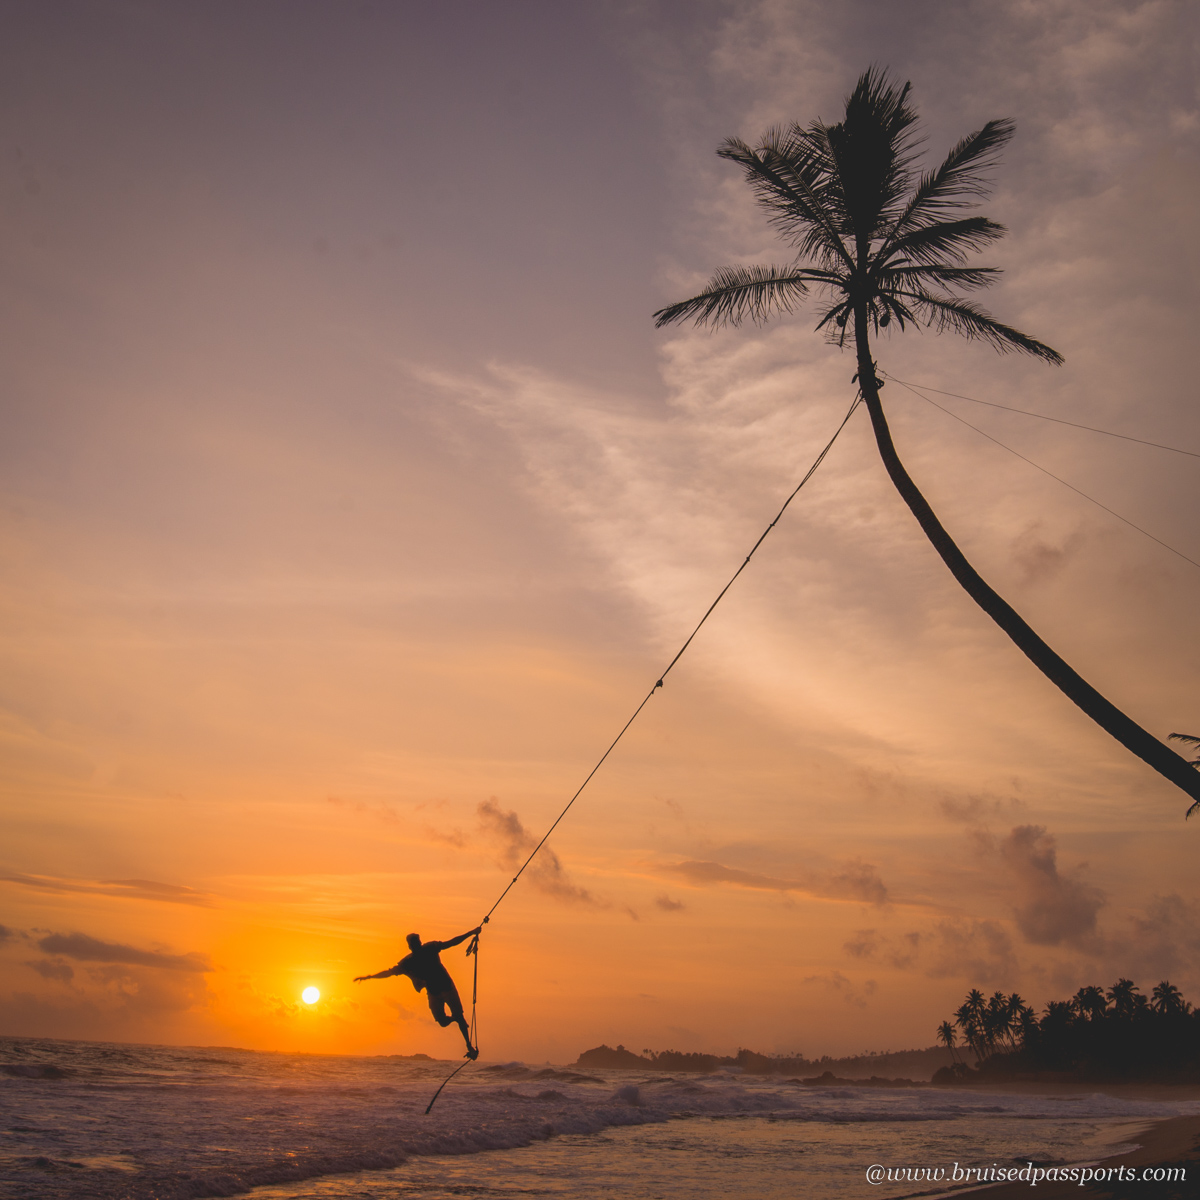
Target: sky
[350,503]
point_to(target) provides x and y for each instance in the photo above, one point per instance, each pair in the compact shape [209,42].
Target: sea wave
[131,1123]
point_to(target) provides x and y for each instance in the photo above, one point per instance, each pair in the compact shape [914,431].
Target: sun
[310,995]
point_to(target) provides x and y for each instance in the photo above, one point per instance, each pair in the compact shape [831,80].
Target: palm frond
[951,241]
[960,178]
[893,308]
[953,277]
[972,322]
[843,310]
[802,156]
[790,179]
[802,160]
[735,293]
[873,149]
[1192,739]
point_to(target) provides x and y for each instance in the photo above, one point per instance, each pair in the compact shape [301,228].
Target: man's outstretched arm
[380,974]
[462,937]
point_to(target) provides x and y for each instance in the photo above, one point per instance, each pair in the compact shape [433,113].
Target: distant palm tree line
[1118,1033]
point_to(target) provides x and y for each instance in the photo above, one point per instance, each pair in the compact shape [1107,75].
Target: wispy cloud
[899,952]
[130,889]
[514,842]
[379,809]
[854,881]
[49,968]
[1161,941]
[852,993]
[84,948]
[966,948]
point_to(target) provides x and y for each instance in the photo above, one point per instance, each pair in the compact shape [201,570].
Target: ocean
[95,1120]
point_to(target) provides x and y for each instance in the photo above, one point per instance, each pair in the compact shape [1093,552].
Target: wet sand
[1127,1091]
[1174,1141]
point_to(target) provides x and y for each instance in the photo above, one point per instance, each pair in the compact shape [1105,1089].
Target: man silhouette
[423,966]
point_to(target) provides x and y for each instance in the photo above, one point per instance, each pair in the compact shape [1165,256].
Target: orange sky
[350,502]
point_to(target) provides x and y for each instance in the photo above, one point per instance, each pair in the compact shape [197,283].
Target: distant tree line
[1097,1034]
[918,1064]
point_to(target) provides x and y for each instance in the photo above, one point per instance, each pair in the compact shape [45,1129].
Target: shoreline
[1168,1140]
[1124,1091]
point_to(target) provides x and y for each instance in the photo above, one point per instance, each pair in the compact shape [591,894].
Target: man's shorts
[440,1001]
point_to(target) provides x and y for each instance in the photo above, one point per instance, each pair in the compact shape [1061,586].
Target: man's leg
[437,1006]
[456,1014]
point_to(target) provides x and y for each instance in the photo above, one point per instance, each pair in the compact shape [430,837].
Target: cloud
[863,945]
[402,1013]
[869,943]
[380,810]
[83,948]
[455,837]
[49,968]
[855,881]
[910,946]
[133,889]
[5,933]
[1055,909]
[976,809]
[1165,942]
[515,843]
[980,951]
[850,992]
[108,999]
[703,874]
[667,904]
[1037,557]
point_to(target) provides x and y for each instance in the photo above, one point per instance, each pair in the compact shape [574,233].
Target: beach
[114,1121]
[1172,1142]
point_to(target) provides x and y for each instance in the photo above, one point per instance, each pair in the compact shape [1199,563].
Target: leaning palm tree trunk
[889,245]
[1106,714]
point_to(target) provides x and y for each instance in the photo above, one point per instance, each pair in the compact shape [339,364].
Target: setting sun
[310,995]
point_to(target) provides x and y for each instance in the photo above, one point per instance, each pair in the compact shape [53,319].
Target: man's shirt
[424,968]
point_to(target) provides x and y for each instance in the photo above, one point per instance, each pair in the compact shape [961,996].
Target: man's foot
[472,1053]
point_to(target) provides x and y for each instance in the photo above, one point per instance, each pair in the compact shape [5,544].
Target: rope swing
[473,948]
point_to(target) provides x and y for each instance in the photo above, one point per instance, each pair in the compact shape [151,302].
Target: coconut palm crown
[883,243]
[847,197]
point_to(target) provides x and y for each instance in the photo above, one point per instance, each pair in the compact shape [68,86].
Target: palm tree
[887,245]
[1028,1025]
[1016,1011]
[1125,995]
[969,1017]
[997,1020]
[946,1037]
[1089,1002]
[1167,998]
